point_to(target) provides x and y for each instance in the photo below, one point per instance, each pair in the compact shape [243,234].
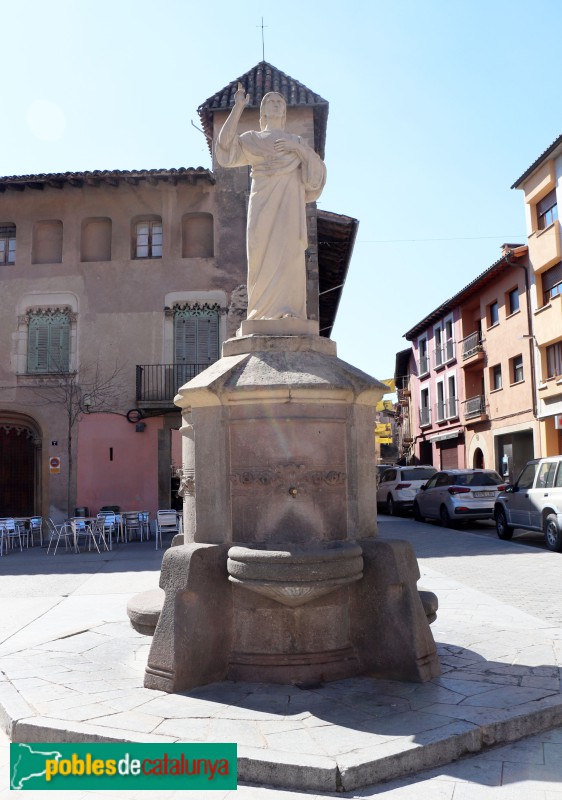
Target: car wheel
[553,534]
[417,513]
[503,530]
[444,518]
[390,506]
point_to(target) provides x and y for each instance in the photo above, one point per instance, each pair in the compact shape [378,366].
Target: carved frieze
[299,477]
[46,311]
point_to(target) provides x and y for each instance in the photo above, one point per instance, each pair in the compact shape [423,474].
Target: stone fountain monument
[280,576]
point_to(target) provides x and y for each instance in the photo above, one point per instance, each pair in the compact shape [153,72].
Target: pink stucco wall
[117,465]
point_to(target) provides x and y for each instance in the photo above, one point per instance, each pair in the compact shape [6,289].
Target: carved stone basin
[295,577]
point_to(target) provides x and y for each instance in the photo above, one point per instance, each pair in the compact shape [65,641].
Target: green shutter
[48,340]
[196,335]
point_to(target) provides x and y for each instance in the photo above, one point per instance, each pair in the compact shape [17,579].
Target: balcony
[547,321]
[474,409]
[157,384]
[451,408]
[425,416]
[444,353]
[544,247]
[423,366]
[440,411]
[472,349]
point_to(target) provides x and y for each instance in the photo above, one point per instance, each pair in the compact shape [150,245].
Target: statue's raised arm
[286,174]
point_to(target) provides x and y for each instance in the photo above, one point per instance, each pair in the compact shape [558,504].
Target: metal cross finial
[262,26]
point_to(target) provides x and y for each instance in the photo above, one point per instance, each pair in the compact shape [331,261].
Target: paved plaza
[72,670]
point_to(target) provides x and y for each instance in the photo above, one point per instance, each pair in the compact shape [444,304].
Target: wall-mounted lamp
[87,403]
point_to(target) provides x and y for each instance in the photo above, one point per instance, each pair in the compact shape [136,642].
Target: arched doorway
[20,446]
[478,459]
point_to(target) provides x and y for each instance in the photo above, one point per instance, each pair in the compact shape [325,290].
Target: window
[7,244]
[552,282]
[527,477]
[425,414]
[513,300]
[493,314]
[438,336]
[196,336]
[547,210]
[452,410]
[496,377]
[554,360]
[424,360]
[148,239]
[545,478]
[440,407]
[48,342]
[449,343]
[389,475]
[517,369]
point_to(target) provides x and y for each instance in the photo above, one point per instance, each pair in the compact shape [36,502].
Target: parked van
[533,502]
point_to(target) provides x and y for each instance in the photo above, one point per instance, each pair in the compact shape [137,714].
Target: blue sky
[435,109]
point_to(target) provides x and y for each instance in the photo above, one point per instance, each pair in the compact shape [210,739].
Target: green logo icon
[122,765]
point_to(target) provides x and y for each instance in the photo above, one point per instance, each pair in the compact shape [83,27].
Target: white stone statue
[286,174]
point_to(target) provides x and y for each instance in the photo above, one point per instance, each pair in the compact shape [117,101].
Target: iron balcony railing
[425,415]
[160,382]
[444,353]
[423,365]
[472,344]
[451,405]
[474,406]
[446,409]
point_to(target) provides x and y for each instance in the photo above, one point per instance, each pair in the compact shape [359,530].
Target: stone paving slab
[501,670]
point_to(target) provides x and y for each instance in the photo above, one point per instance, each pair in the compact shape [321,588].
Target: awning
[441,437]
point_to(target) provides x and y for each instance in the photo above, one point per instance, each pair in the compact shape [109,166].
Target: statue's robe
[276,234]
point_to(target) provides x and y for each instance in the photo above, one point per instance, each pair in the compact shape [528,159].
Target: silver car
[534,502]
[454,495]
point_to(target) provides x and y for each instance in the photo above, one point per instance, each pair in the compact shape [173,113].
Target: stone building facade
[116,288]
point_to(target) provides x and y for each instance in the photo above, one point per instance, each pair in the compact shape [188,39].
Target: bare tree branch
[88,390]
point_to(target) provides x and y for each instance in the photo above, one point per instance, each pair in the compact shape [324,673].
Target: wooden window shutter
[196,335]
[48,343]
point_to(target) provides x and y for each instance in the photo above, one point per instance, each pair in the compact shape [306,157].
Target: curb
[284,770]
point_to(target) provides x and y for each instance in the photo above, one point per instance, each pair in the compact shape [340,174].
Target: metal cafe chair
[144,519]
[36,526]
[80,528]
[102,532]
[108,521]
[131,524]
[11,533]
[58,532]
[166,522]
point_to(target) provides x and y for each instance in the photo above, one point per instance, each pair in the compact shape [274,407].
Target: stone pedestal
[281,577]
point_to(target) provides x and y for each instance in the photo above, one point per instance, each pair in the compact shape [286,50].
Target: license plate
[483,494]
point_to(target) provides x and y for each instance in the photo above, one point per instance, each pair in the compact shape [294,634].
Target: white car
[399,486]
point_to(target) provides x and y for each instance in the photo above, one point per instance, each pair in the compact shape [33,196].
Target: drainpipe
[514,263]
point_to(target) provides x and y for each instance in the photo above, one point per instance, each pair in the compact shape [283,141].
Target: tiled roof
[549,150]
[257,82]
[476,285]
[57,180]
